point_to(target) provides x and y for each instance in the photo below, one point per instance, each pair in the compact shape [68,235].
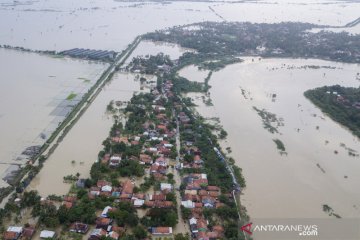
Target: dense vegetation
[287,39]
[340,103]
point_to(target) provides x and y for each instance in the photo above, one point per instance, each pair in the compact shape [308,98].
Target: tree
[180,236]
[171,219]
[139,232]
[30,199]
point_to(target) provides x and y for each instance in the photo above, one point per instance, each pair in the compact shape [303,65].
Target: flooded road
[296,185]
[35,96]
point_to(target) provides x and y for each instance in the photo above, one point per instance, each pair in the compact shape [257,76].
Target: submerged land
[162,171]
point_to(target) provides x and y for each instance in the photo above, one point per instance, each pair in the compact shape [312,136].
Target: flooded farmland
[80,148]
[37,92]
[194,74]
[111,25]
[311,171]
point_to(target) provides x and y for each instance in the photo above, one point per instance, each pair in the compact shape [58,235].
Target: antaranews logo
[301,230]
[247,228]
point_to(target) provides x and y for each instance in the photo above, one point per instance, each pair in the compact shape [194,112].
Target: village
[160,175]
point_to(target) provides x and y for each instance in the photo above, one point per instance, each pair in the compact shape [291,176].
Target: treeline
[340,103]
[286,39]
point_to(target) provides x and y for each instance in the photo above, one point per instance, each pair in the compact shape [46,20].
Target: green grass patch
[71,96]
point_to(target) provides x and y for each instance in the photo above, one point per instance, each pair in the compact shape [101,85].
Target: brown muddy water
[79,149]
[34,99]
[112,24]
[83,143]
[194,74]
[296,185]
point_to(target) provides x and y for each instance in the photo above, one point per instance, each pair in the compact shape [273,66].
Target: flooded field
[36,94]
[194,74]
[153,48]
[323,12]
[79,149]
[311,170]
[112,24]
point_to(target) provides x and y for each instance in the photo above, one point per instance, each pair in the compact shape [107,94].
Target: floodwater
[33,99]
[194,74]
[83,143]
[174,51]
[113,24]
[296,185]
[323,12]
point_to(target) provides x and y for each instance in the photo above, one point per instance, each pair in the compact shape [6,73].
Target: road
[55,139]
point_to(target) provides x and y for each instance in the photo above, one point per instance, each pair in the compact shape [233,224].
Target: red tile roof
[10,235]
[128,187]
[213,188]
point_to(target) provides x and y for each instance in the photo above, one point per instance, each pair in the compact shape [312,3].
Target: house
[116,192]
[162,127]
[114,161]
[119,230]
[145,159]
[11,236]
[161,161]
[213,188]
[95,191]
[162,231]
[139,203]
[104,213]
[97,233]
[157,197]
[158,169]
[128,187]
[28,233]
[46,234]
[193,198]
[78,227]
[113,235]
[188,204]
[13,233]
[202,225]
[197,160]
[193,225]
[102,183]
[120,140]
[139,196]
[166,186]
[69,198]
[203,193]
[103,223]
[106,188]
[209,202]
[213,235]
[202,236]
[214,194]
